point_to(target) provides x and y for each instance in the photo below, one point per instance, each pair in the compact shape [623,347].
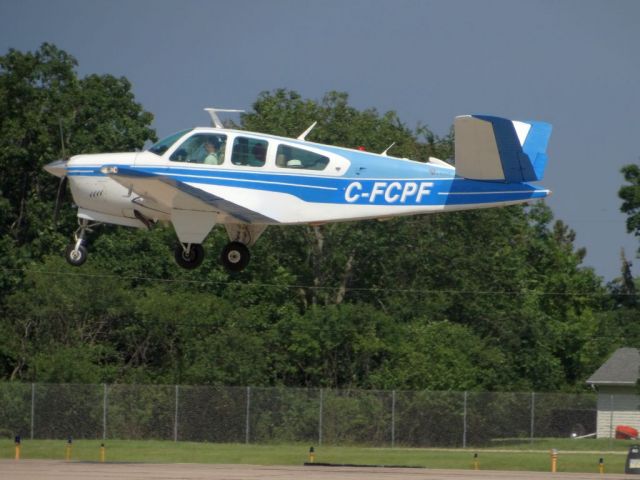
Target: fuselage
[326,184]
[197,178]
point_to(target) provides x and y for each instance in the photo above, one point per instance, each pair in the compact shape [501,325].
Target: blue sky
[573,63]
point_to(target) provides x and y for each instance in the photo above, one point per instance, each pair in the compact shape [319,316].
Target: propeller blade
[61,189]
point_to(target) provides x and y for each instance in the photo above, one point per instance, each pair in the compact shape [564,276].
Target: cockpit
[237,149]
[207,148]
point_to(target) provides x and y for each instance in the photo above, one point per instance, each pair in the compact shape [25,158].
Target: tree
[486,299]
[630,196]
[47,112]
[53,319]
[331,255]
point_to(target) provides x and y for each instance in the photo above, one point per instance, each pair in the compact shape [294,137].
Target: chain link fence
[315,416]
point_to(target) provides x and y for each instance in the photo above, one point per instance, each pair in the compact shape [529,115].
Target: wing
[174,194]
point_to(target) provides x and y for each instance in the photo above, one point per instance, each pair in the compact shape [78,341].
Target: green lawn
[565,444]
[574,455]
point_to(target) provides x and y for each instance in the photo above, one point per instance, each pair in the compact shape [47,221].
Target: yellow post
[601,465]
[67,450]
[554,460]
[312,455]
[476,462]
[17,456]
[103,453]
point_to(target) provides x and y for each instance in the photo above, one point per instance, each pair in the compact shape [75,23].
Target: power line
[318,287]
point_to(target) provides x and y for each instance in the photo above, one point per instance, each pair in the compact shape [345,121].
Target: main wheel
[190,260]
[235,256]
[76,257]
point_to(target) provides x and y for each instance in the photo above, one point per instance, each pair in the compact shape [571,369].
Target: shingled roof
[622,368]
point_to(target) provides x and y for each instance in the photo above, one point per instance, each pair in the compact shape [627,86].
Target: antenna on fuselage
[215,120]
[388,148]
[304,134]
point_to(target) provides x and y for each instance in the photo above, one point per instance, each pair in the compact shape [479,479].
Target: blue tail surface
[498,149]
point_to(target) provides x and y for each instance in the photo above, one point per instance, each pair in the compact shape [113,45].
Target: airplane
[246,181]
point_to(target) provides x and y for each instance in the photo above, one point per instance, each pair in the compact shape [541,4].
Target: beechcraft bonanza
[197,178]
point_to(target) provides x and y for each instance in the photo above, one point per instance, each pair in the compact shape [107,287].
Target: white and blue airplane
[197,178]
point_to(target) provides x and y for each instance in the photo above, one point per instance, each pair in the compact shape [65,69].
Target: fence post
[464,422]
[393,418]
[33,406]
[175,417]
[104,412]
[246,430]
[533,415]
[320,417]
[610,421]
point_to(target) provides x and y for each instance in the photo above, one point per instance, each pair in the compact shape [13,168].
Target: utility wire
[317,287]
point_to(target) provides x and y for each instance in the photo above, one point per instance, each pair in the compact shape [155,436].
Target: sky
[572,63]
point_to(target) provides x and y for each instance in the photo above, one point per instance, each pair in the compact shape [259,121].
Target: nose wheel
[235,256]
[76,253]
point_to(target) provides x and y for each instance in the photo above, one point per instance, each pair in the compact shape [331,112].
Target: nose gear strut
[76,253]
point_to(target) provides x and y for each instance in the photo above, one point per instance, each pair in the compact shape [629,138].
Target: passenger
[259,153]
[240,154]
[212,145]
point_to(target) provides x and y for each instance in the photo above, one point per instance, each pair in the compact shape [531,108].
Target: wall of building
[617,406]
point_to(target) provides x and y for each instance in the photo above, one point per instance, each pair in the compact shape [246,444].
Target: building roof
[622,368]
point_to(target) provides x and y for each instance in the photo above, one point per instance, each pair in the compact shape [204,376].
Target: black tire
[193,259]
[75,257]
[235,257]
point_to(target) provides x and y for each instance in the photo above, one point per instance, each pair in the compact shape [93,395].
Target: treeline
[481,300]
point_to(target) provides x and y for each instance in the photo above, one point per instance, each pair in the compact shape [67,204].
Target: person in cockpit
[212,146]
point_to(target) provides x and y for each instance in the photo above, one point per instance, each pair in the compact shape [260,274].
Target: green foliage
[442,356]
[630,195]
[47,113]
[285,113]
[479,300]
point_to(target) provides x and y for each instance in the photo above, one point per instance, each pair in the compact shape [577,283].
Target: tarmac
[55,469]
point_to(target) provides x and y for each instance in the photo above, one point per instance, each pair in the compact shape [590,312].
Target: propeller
[59,169]
[61,190]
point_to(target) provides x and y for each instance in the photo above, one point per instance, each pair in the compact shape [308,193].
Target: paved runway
[52,469]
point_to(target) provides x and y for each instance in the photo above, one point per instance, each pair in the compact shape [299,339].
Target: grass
[565,444]
[574,455]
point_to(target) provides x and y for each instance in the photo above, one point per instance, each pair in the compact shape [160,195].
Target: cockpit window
[205,148]
[164,144]
[291,157]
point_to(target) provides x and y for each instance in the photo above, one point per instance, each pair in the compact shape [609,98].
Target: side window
[291,157]
[249,151]
[201,148]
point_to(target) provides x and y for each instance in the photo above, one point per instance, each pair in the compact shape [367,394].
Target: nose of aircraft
[57,168]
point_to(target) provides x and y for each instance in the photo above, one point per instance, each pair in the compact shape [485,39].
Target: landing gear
[189,255]
[76,253]
[235,256]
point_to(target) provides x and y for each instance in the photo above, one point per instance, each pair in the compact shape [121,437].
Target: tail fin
[494,148]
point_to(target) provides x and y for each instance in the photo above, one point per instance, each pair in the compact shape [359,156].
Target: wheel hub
[234,256]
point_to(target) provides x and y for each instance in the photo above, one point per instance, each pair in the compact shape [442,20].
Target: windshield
[164,144]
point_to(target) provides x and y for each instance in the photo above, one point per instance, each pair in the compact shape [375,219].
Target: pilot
[212,145]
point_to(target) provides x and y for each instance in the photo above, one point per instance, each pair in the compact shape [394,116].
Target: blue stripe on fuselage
[428,191]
